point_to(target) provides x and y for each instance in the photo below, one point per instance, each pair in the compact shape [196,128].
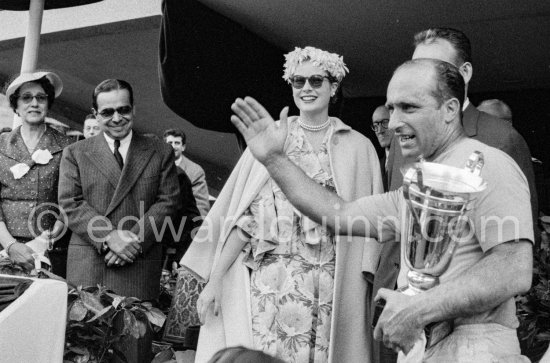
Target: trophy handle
[475,163]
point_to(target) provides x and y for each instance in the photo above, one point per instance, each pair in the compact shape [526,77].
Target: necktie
[118,157]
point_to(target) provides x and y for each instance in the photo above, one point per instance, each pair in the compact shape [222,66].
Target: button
[33,179]
[33,192]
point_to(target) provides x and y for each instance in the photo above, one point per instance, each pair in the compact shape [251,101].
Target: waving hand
[263,136]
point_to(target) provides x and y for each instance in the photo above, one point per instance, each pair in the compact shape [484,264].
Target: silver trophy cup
[438,197]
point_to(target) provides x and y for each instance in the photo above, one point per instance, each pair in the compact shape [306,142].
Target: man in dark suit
[119,190]
[380,121]
[452,46]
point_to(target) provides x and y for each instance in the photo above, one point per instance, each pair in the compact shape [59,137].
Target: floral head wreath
[329,62]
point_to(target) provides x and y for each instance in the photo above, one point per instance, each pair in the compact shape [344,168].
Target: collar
[125,141]
[470,116]
[465,104]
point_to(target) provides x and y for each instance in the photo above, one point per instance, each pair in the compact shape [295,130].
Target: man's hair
[89,116]
[44,83]
[110,85]
[448,80]
[175,133]
[458,40]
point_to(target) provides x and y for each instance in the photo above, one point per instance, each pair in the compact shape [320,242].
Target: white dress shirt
[124,145]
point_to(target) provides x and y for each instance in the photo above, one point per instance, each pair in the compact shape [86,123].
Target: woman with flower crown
[29,169]
[278,281]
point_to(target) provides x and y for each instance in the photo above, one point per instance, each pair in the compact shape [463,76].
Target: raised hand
[264,137]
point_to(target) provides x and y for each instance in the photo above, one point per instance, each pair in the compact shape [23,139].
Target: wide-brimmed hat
[29,77]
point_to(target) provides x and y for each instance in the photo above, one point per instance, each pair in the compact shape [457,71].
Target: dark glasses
[377,126]
[108,113]
[27,98]
[315,81]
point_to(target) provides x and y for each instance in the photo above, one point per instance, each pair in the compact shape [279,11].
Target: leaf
[78,311]
[156,317]
[100,314]
[130,300]
[91,301]
[131,324]
[79,350]
[164,356]
[116,300]
[543,336]
[142,326]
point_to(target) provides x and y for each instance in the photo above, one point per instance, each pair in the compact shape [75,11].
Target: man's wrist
[274,160]
[105,244]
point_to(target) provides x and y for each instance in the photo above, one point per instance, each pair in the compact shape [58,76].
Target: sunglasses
[28,97]
[377,126]
[109,113]
[315,81]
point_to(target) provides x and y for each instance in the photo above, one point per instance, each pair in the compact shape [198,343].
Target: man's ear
[452,109]
[94,112]
[183,147]
[467,71]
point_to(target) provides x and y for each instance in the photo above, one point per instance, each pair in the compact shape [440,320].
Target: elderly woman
[280,282]
[29,168]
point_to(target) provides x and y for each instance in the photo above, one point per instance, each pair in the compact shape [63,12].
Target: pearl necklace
[314,128]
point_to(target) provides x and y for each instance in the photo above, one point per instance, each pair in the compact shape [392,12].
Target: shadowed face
[115,113]
[177,144]
[381,117]
[91,128]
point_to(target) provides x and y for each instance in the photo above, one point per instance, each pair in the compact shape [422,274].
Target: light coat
[356,172]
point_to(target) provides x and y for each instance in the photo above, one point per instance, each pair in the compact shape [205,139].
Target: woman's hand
[58,230]
[21,254]
[211,294]
[264,138]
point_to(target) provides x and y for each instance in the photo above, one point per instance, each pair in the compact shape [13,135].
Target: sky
[14,23]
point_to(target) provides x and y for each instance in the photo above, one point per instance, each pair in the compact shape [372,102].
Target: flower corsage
[41,156]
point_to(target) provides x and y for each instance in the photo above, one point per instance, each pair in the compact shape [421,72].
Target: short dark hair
[449,82]
[44,82]
[457,38]
[110,85]
[89,116]
[175,133]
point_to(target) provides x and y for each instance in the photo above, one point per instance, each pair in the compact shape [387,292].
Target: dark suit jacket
[95,193]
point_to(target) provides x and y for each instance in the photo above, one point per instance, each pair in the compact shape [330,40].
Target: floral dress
[292,260]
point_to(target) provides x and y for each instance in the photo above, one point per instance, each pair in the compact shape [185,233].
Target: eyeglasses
[109,113]
[379,125]
[315,81]
[28,97]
